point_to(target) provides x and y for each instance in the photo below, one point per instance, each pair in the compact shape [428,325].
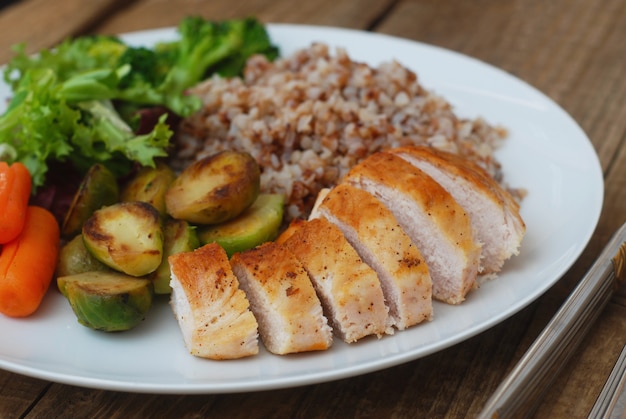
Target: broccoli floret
[147,66]
[255,41]
[207,46]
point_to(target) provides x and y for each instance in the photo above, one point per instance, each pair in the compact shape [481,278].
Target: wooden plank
[17,393]
[48,22]
[556,46]
[576,389]
[570,50]
[571,53]
[454,382]
[614,212]
[161,13]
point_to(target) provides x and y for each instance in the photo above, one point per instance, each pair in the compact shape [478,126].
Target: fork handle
[520,392]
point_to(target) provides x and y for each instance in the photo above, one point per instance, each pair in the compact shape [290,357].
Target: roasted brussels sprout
[75,259]
[179,236]
[150,185]
[97,189]
[126,236]
[107,301]
[258,224]
[214,189]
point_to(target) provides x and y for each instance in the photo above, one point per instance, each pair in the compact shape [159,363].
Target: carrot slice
[27,263]
[15,188]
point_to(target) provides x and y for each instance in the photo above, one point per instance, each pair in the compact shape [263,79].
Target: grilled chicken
[348,288]
[212,311]
[436,223]
[282,299]
[377,237]
[404,226]
[493,212]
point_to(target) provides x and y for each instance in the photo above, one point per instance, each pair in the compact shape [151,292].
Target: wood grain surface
[572,50]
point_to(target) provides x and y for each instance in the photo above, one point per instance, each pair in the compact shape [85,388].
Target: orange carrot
[27,263]
[15,188]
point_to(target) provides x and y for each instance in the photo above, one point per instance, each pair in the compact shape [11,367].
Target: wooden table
[572,50]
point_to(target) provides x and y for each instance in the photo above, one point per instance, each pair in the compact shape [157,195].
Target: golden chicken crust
[436,223]
[375,234]
[494,213]
[348,288]
[283,300]
[212,311]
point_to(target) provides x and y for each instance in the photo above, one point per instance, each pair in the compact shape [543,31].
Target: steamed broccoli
[209,47]
[206,46]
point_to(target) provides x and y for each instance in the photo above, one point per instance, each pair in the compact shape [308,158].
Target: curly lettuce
[75,103]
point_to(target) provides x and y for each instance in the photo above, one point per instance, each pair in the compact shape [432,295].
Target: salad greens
[71,103]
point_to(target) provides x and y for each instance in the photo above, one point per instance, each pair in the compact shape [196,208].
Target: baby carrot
[15,188]
[27,263]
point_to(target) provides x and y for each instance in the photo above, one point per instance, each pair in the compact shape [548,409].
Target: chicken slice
[212,311]
[436,223]
[283,300]
[377,237]
[493,212]
[348,288]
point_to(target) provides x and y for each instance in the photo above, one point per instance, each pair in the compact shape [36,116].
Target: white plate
[547,153]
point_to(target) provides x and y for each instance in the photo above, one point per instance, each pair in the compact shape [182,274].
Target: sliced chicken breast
[282,299]
[493,212]
[379,240]
[347,287]
[212,311]
[436,223]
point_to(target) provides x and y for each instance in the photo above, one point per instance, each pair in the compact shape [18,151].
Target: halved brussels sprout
[107,301]
[126,236]
[214,189]
[179,236]
[97,189]
[74,258]
[258,224]
[150,185]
